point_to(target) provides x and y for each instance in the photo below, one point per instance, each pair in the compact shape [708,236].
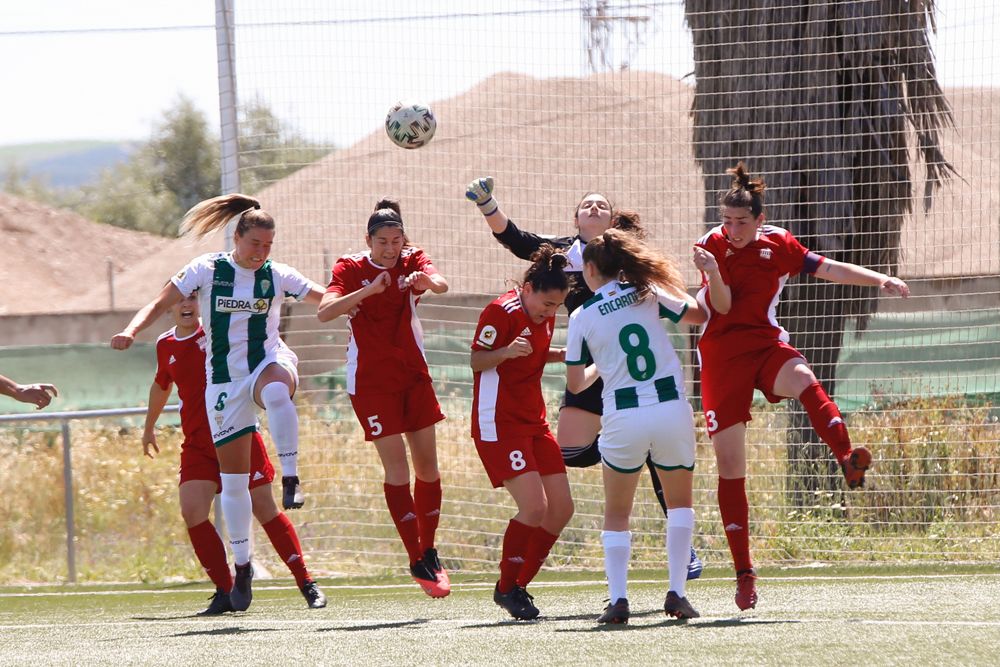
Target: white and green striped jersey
[240,309]
[623,336]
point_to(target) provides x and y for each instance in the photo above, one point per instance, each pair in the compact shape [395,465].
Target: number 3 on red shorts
[517,461]
[711,422]
[374,426]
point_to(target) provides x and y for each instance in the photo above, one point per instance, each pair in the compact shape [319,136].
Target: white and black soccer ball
[410,125]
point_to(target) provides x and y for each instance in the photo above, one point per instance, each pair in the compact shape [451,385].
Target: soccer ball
[410,125]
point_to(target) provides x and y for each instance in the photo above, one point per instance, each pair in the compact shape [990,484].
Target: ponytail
[619,254]
[213,213]
[547,270]
[745,192]
[627,220]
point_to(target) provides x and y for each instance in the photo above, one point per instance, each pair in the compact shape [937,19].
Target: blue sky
[68,74]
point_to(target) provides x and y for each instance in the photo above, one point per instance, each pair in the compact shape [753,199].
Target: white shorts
[663,431]
[230,405]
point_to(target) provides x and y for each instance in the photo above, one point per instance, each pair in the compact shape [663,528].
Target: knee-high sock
[283,422]
[617,552]
[285,541]
[404,515]
[237,510]
[735,513]
[826,419]
[427,500]
[657,487]
[583,456]
[539,545]
[515,542]
[680,527]
[211,553]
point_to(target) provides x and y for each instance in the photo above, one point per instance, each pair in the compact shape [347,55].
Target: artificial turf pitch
[809,617]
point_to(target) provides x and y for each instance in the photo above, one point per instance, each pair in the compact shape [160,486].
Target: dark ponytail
[387,214]
[627,220]
[547,270]
[745,192]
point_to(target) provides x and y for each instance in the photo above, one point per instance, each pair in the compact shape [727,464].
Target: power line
[569,9]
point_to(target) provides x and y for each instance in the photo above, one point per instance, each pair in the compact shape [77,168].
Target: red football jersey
[181,361]
[755,274]
[386,350]
[507,399]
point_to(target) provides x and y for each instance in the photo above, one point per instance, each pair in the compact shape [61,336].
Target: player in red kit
[388,380]
[744,265]
[509,353]
[180,360]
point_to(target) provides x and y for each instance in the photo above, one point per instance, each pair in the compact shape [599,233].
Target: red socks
[404,515]
[736,519]
[539,545]
[285,540]
[211,554]
[427,500]
[826,419]
[515,541]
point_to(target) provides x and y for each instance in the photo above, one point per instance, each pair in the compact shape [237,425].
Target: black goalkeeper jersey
[523,244]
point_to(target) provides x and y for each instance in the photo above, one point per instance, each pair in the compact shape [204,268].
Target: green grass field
[805,616]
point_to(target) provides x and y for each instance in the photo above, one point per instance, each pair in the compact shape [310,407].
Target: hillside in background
[52,257]
[627,134]
[66,164]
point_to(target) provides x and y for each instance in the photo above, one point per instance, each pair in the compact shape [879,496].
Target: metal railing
[65,418]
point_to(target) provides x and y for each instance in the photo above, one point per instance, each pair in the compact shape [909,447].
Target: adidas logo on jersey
[526,332]
[172,359]
[258,475]
[729,252]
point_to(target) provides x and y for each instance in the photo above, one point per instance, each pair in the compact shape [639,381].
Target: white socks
[238,511]
[283,422]
[617,552]
[680,527]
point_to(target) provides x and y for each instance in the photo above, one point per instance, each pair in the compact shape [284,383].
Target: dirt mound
[626,134]
[52,257]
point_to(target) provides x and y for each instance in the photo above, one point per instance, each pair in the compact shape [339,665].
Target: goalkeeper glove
[481,192]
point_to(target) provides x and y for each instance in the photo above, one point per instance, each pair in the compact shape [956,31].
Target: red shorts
[727,383]
[507,458]
[382,415]
[198,462]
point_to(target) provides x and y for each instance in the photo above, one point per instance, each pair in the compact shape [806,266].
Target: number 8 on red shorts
[508,458]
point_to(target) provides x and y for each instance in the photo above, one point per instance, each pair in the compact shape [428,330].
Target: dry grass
[933,496]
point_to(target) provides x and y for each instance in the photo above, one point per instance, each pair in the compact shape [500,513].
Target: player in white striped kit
[240,294]
[645,413]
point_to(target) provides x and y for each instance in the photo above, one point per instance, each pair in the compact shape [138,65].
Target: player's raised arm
[480,191]
[846,273]
[148,314]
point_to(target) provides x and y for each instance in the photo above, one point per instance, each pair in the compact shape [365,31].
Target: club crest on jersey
[219,419]
[265,285]
[765,253]
[229,304]
[488,336]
